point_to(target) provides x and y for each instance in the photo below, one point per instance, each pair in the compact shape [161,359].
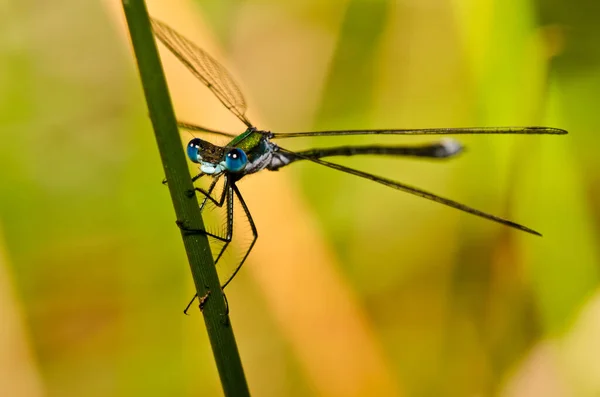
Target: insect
[254,150]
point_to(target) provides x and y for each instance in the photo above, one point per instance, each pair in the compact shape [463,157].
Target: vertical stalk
[214,310]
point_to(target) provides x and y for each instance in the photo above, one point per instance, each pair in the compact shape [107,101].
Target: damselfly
[253,150]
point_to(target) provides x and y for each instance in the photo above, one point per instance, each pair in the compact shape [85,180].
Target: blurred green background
[354,289]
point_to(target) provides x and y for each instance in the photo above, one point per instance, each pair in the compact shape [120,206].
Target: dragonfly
[254,150]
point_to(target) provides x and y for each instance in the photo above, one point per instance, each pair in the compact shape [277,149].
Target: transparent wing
[205,68]
[430,131]
[198,128]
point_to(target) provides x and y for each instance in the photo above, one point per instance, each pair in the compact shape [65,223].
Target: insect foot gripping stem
[189,231]
[201,300]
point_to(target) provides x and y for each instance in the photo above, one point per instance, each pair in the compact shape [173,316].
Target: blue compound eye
[193,150]
[235,160]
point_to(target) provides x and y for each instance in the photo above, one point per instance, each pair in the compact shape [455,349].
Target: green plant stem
[185,202]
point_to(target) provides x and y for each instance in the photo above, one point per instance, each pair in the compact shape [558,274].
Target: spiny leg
[190,304]
[229,234]
[208,193]
[254,233]
[228,196]
[219,204]
[200,175]
[196,231]
[207,196]
[189,232]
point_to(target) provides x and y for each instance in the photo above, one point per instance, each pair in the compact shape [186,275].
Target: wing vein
[430,131]
[205,68]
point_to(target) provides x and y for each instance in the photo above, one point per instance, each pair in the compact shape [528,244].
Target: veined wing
[417,192]
[199,128]
[205,68]
[430,131]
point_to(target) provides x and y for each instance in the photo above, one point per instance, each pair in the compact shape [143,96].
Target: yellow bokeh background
[353,289]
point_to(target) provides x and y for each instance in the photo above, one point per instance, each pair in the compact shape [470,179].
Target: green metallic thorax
[252,142]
